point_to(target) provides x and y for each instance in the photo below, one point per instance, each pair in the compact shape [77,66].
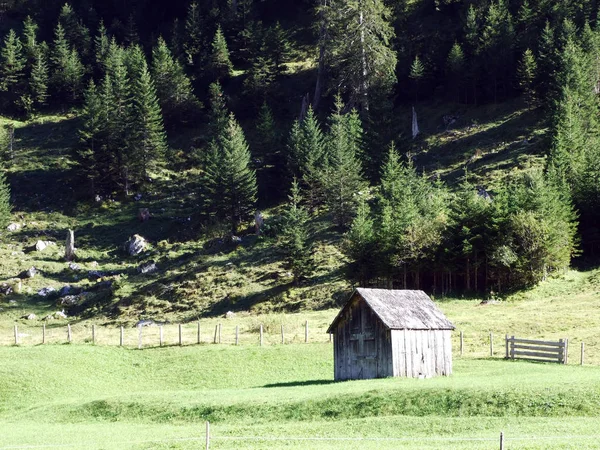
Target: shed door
[363,343]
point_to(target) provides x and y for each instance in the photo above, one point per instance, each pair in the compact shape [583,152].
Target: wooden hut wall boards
[384,333]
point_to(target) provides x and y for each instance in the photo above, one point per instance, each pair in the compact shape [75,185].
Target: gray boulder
[47,291]
[147,268]
[13,227]
[29,273]
[29,316]
[136,245]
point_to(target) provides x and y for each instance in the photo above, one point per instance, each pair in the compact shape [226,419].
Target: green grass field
[106,397]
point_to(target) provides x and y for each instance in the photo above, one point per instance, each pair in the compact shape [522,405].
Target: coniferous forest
[301,105]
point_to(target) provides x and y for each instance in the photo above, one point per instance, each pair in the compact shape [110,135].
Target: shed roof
[401,309]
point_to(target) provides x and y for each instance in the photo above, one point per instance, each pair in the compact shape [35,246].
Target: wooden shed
[391,333]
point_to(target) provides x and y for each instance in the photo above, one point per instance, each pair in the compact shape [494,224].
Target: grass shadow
[300,383]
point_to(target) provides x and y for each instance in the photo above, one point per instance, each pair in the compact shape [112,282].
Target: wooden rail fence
[547,351]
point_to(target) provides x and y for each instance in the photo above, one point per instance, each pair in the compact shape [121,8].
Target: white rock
[13,227]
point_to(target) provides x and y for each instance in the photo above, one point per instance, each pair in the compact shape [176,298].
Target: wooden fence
[548,351]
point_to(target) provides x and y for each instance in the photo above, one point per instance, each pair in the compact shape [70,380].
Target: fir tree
[194,40]
[147,138]
[219,114]
[67,69]
[101,47]
[76,33]
[30,43]
[455,65]
[417,73]
[360,245]
[229,181]
[173,87]
[308,156]
[12,64]
[92,154]
[5,206]
[38,81]
[219,63]
[295,240]
[359,34]
[342,178]
[277,46]
[526,73]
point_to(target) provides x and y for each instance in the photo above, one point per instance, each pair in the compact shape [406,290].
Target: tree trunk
[364,86]
[468,270]
[322,53]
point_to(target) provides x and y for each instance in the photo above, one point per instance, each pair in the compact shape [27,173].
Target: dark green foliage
[219,113]
[219,64]
[342,178]
[455,66]
[308,156]
[146,141]
[295,240]
[267,150]
[5,206]
[358,41]
[229,183]
[30,41]
[417,73]
[76,33]
[527,72]
[360,245]
[173,87]
[194,41]
[39,78]
[12,64]
[278,47]
[66,69]
[101,47]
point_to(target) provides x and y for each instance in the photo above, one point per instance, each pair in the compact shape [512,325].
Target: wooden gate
[548,351]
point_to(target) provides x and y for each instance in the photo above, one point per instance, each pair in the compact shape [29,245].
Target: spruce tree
[193,45]
[219,64]
[277,46]
[5,206]
[91,155]
[39,78]
[342,178]
[229,182]
[359,37]
[417,73]
[12,65]
[295,239]
[526,72]
[360,245]
[67,69]
[101,48]
[76,33]
[146,135]
[173,87]
[30,43]
[455,65]
[308,156]
[219,114]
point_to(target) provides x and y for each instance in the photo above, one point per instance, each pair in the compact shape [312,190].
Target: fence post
[160,336]
[512,347]
[139,336]
[121,337]
[207,435]
[566,351]
[93,334]
[506,344]
[237,335]
[16,335]
[491,344]
[461,343]
[282,335]
[501,440]
[261,334]
[220,332]
[180,334]
[215,338]
[582,352]
[199,335]
[44,333]
[69,333]
[306,332]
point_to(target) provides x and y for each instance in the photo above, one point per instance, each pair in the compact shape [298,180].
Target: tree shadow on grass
[299,383]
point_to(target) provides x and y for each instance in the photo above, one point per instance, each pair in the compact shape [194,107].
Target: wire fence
[227,332]
[210,440]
